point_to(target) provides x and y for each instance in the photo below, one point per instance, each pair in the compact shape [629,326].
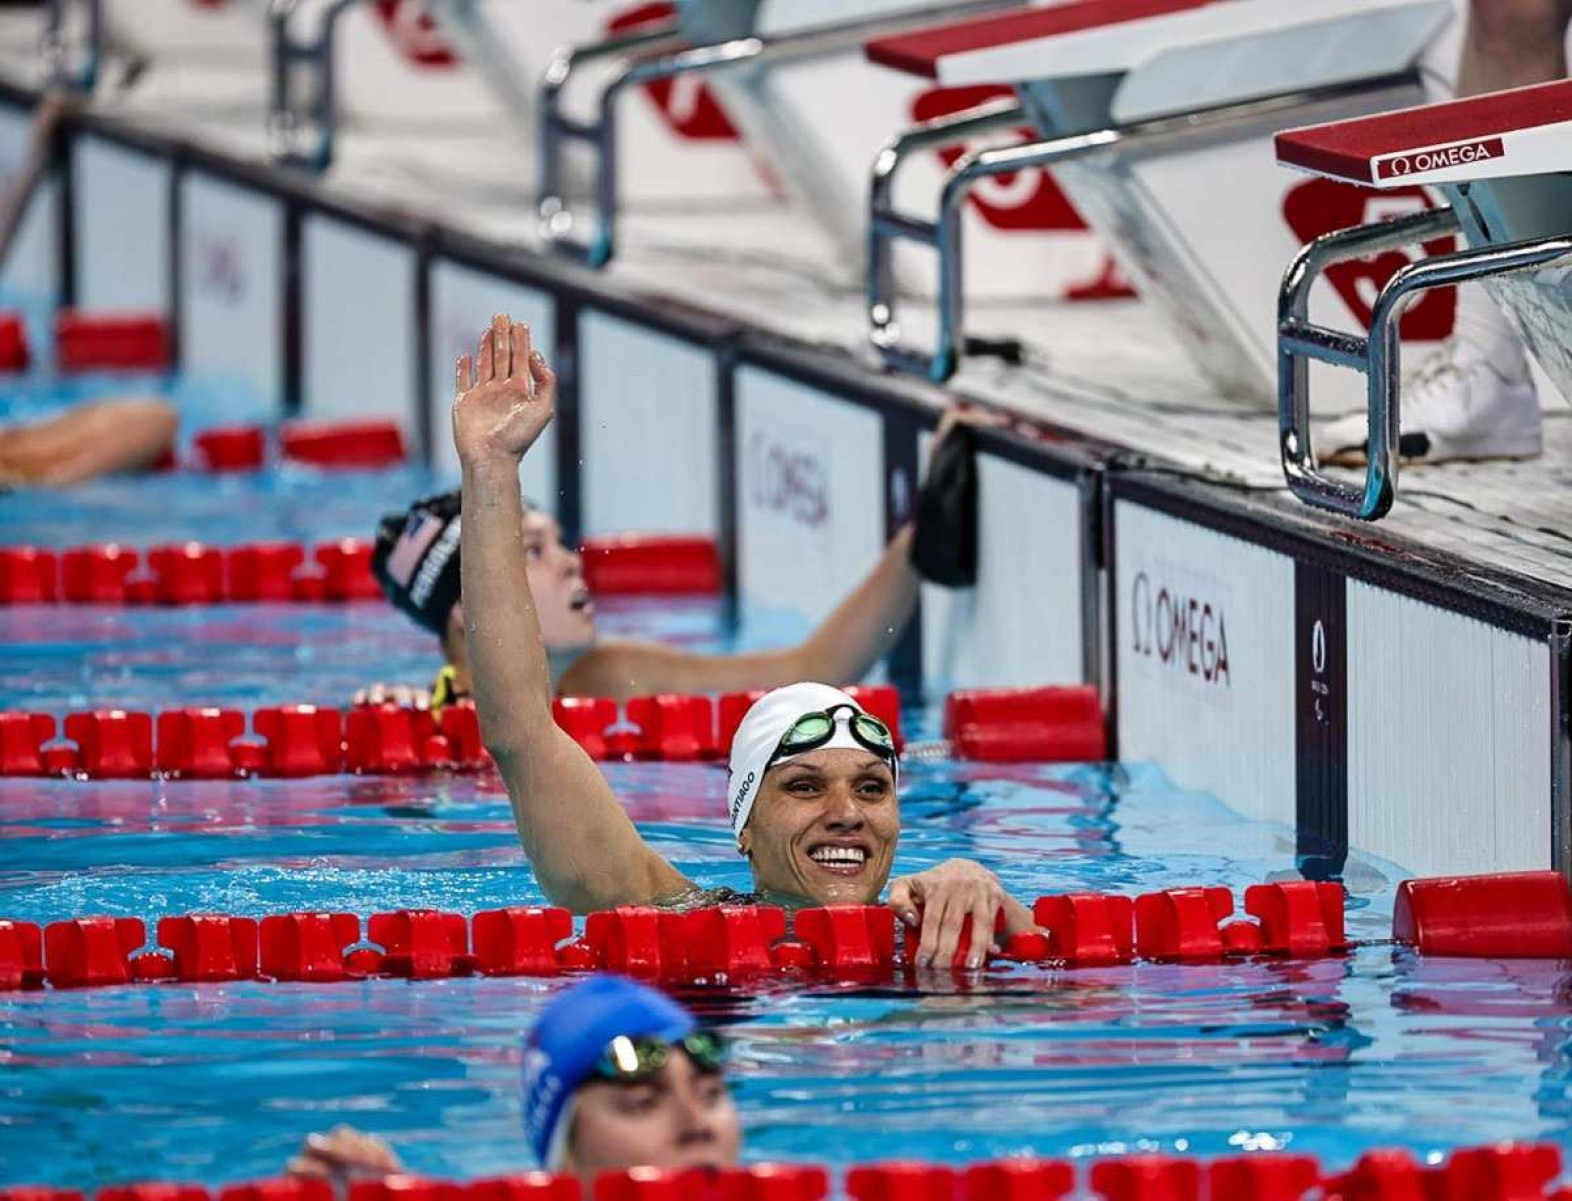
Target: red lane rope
[1499,1172]
[193,573]
[1044,725]
[1297,919]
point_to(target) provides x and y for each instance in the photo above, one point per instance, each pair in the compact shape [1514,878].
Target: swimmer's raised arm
[585,852]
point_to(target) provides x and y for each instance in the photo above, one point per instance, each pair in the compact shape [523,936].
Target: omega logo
[1434,160]
[1185,633]
[784,480]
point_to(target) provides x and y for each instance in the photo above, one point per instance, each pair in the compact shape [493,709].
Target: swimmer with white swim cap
[812,793]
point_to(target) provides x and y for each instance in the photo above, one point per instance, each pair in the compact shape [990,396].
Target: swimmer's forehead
[842,759]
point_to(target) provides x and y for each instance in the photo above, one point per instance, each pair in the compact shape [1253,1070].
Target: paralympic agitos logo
[783,479]
[1185,632]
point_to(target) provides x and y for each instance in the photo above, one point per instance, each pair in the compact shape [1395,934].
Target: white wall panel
[463,301]
[231,286]
[1205,652]
[120,220]
[1021,624]
[358,323]
[810,493]
[1448,738]
[647,429]
[32,269]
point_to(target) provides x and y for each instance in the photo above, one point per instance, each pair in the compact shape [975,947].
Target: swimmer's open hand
[964,413]
[936,903]
[344,1153]
[505,396]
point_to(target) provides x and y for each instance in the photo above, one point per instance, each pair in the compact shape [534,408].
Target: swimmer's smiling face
[824,828]
[682,1117]
[563,602]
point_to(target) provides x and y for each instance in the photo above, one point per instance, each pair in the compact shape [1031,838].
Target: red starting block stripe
[920,52]
[1519,132]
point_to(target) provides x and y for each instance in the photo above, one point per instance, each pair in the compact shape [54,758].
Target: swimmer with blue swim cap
[616,1075]
[812,790]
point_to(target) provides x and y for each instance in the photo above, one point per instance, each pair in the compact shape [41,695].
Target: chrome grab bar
[600,133]
[886,225]
[56,55]
[303,134]
[1377,356]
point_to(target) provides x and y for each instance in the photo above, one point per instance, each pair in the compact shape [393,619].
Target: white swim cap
[761,731]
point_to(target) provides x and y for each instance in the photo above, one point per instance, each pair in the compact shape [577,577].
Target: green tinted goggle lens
[630,1060]
[815,729]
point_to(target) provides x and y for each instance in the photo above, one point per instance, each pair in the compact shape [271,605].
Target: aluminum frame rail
[1378,355]
[557,129]
[887,225]
[55,53]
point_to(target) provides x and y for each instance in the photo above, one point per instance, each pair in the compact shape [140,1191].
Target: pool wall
[1330,677]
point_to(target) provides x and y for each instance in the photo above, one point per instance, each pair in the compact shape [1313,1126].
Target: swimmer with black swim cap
[416,560]
[812,794]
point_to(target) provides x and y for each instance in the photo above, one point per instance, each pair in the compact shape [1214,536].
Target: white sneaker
[1455,405]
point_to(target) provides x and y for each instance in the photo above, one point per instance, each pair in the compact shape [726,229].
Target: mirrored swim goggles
[635,1060]
[813,730]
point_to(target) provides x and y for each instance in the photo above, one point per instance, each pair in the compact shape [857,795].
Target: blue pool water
[217,1083]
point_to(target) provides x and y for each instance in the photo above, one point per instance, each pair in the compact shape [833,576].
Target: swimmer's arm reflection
[585,852]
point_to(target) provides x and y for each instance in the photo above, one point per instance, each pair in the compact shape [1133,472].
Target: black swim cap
[416,559]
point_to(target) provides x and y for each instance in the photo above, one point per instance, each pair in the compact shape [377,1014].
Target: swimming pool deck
[1111,370]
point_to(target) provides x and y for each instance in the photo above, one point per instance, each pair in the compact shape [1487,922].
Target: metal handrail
[52,48]
[1379,355]
[557,129]
[286,134]
[886,225]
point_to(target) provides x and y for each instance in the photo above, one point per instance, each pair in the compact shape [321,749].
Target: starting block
[1501,162]
[1143,107]
[735,47]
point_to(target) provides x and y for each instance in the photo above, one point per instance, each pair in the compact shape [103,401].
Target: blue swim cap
[572,1034]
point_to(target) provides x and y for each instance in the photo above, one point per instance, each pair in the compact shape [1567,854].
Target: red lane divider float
[308,740]
[654,565]
[343,444]
[188,573]
[287,741]
[192,573]
[111,341]
[1510,915]
[1503,1172]
[1042,725]
[695,946]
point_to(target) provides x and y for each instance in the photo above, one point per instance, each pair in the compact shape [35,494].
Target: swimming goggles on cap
[813,730]
[634,1060]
